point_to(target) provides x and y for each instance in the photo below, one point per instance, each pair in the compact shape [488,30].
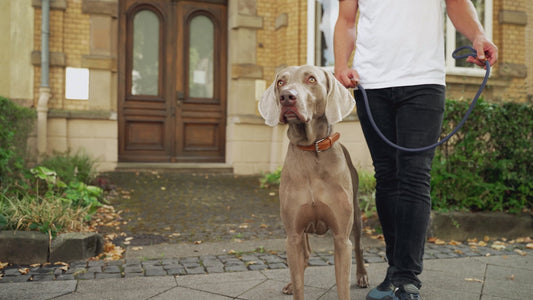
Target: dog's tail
[357,224]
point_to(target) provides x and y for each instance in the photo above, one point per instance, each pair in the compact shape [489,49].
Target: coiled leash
[455,55]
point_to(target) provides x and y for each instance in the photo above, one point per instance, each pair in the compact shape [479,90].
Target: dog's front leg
[295,246]
[343,264]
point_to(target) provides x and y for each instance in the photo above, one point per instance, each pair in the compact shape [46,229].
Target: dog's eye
[280,82]
[311,79]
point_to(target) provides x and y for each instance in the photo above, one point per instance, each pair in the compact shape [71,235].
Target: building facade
[165,83]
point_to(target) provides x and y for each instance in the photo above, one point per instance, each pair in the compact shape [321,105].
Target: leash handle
[455,55]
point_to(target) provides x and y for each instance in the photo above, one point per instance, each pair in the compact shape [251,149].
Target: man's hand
[348,77]
[486,50]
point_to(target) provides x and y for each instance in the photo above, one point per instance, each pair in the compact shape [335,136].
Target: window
[201,57]
[145,72]
[455,40]
[322,16]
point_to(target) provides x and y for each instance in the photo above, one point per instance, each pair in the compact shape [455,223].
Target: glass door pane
[145,71]
[201,45]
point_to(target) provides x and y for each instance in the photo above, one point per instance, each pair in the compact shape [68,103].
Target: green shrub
[72,167]
[16,123]
[488,165]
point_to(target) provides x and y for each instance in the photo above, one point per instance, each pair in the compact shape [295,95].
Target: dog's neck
[304,134]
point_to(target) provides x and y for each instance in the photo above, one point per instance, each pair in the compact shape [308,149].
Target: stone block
[76,246]
[513,17]
[23,247]
[461,226]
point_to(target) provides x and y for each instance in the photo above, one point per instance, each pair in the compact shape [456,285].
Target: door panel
[172,80]
[201,56]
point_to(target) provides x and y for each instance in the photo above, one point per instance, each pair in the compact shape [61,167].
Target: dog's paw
[287,290]
[362,281]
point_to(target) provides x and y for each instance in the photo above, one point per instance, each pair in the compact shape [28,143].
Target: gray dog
[318,189]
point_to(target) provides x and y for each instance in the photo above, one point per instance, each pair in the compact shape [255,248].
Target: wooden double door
[172,80]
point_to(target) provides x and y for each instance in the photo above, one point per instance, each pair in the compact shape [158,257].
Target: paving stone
[212,263]
[154,272]
[178,270]
[277,266]
[215,269]
[317,262]
[43,277]
[257,267]
[195,270]
[170,261]
[94,269]
[96,263]
[10,279]
[129,275]
[236,268]
[191,264]
[65,277]
[190,260]
[112,269]
[86,275]
[107,275]
[133,269]
[11,272]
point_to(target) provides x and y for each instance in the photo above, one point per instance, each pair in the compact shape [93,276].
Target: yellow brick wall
[69,34]
[285,46]
[512,42]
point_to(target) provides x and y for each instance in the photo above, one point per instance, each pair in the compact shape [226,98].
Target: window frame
[451,68]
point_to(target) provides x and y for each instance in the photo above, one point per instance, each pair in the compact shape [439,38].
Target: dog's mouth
[291,115]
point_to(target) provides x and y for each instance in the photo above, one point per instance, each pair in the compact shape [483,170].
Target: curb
[30,247]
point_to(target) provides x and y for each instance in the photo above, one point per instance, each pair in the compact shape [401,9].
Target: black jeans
[409,116]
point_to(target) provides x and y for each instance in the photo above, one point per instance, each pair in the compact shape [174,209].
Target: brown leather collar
[322,144]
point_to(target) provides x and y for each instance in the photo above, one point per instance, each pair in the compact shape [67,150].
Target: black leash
[455,55]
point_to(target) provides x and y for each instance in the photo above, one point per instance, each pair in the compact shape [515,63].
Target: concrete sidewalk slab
[485,277]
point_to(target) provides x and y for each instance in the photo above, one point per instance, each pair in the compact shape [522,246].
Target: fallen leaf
[263,226]
[128,239]
[35,265]
[3,265]
[486,238]
[243,226]
[510,277]
[24,271]
[197,242]
[529,246]
[473,280]
[163,188]
[520,252]
[136,248]
[455,243]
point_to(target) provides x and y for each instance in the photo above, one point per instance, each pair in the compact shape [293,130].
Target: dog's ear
[340,101]
[269,106]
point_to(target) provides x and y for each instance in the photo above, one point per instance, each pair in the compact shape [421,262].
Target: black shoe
[384,291]
[407,292]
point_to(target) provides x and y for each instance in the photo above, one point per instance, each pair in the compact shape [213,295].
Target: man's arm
[344,42]
[464,17]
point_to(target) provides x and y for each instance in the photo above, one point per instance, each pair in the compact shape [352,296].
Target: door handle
[180,96]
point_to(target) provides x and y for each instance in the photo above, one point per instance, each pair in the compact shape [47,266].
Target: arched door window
[145,56]
[201,56]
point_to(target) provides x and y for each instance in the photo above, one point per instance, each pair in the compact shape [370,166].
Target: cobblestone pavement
[234,262]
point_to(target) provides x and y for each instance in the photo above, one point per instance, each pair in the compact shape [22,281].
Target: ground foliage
[487,165]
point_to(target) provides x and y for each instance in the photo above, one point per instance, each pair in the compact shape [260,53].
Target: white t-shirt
[400,43]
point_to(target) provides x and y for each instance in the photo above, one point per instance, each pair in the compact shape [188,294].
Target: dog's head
[300,94]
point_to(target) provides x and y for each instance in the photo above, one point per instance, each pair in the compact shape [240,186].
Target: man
[399,60]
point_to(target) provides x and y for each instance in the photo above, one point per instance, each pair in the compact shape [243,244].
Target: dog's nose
[288,97]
